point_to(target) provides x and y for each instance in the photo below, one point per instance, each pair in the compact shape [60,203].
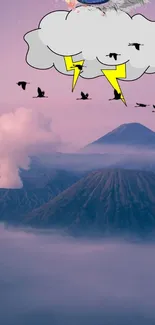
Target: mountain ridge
[16,202]
[112,200]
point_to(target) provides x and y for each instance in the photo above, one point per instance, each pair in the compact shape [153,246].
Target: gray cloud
[86,35]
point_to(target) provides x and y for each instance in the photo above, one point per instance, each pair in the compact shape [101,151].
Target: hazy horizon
[99,156]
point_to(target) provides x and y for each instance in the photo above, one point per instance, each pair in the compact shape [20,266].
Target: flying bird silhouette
[137,45]
[41,94]
[79,66]
[84,96]
[153,107]
[114,55]
[22,84]
[116,95]
[141,105]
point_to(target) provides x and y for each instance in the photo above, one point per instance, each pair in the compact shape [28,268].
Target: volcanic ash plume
[22,134]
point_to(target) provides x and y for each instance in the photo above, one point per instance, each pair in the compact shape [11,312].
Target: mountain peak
[133,134]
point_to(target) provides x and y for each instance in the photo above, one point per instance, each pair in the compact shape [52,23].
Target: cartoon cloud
[102,44]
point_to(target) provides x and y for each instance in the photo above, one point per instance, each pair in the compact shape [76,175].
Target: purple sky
[78,122]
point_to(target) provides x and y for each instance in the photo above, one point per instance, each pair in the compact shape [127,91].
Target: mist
[49,278]
[119,149]
[102,156]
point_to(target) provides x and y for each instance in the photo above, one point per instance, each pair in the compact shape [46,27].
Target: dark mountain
[112,201]
[40,175]
[131,134]
[15,202]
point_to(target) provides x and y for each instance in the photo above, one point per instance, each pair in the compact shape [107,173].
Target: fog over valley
[49,278]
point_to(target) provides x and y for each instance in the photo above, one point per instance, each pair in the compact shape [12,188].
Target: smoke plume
[22,134]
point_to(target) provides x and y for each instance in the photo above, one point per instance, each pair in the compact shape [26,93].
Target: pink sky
[78,122]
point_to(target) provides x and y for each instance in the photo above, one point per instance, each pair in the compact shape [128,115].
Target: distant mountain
[114,201]
[130,134]
[116,149]
[40,175]
[15,202]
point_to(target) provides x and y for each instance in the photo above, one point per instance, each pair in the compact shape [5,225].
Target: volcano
[131,134]
[114,201]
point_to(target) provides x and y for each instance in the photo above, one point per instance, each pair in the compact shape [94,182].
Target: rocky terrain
[110,200]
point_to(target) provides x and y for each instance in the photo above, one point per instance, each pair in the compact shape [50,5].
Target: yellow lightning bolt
[72,66]
[112,75]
